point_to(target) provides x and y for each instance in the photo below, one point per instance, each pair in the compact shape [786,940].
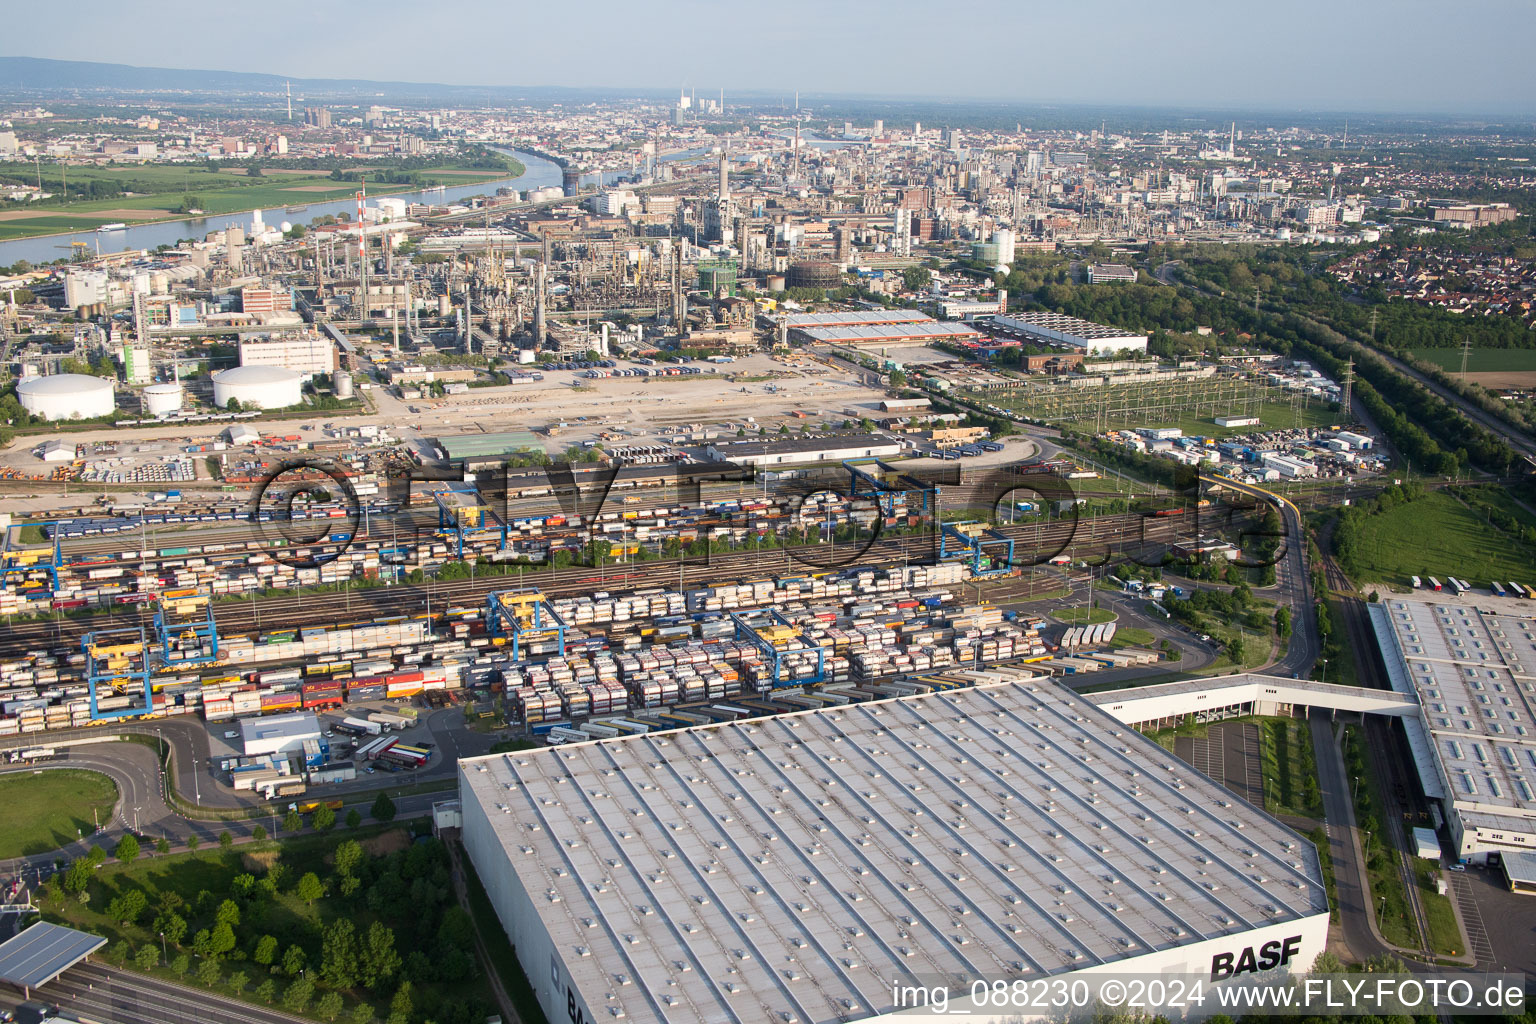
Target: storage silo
[343,384]
[260,387]
[162,399]
[66,396]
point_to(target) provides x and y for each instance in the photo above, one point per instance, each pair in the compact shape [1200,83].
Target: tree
[126,906]
[208,972]
[258,833]
[324,819]
[309,888]
[226,840]
[330,1005]
[380,960]
[162,845]
[120,951]
[293,821]
[181,964]
[383,808]
[338,954]
[265,951]
[237,982]
[362,1013]
[192,842]
[353,820]
[403,1002]
[228,913]
[146,956]
[77,876]
[265,991]
[915,279]
[348,854]
[293,960]
[222,940]
[127,850]
[298,995]
[172,925]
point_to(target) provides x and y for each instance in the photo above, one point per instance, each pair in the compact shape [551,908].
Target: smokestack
[538,307]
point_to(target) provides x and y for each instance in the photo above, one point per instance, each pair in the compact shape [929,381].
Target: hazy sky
[1367,55]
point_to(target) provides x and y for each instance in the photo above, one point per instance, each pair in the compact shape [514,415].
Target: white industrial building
[278,734]
[800,868]
[1070,332]
[1470,662]
[789,451]
[66,396]
[260,387]
[306,353]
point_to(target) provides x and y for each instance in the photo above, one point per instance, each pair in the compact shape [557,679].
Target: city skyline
[1197,57]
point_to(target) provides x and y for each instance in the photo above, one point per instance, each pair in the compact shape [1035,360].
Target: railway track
[1087,538]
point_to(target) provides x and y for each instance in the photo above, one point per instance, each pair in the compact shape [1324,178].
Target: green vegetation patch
[44,810]
[1436,535]
[1479,360]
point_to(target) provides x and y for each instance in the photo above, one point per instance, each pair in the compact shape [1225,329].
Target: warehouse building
[855,318]
[1063,331]
[279,734]
[789,451]
[1471,664]
[800,868]
[909,333]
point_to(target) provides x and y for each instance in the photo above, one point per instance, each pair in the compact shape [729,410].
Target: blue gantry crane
[990,553]
[523,616]
[773,634]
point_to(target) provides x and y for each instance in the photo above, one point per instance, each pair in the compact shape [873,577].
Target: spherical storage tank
[260,387]
[66,396]
[162,399]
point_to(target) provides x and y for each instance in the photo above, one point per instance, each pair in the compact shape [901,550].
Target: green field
[51,808]
[1084,616]
[1190,406]
[1479,360]
[1290,774]
[1436,535]
[217,192]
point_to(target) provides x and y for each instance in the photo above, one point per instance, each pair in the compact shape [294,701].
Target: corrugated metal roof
[795,864]
[43,952]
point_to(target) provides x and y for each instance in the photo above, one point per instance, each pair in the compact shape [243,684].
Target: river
[538,172]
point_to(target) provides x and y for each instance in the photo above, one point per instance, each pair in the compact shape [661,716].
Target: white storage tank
[66,396]
[162,399]
[260,387]
[343,381]
[526,356]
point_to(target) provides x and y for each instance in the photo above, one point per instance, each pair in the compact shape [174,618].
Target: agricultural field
[1480,360]
[1436,535]
[162,192]
[1192,406]
[52,808]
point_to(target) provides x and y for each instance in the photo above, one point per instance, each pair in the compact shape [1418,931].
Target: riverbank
[224,194]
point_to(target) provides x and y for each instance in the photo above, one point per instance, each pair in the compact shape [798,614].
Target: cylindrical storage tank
[343,381]
[775,282]
[259,387]
[162,399]
[66,396]
[815,274]
[526,356]
[159,282]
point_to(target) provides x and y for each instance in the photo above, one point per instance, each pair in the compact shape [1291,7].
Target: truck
[386,720]
[1434,584]
[311,806]
[32,754]
[368,726]
[373,750]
